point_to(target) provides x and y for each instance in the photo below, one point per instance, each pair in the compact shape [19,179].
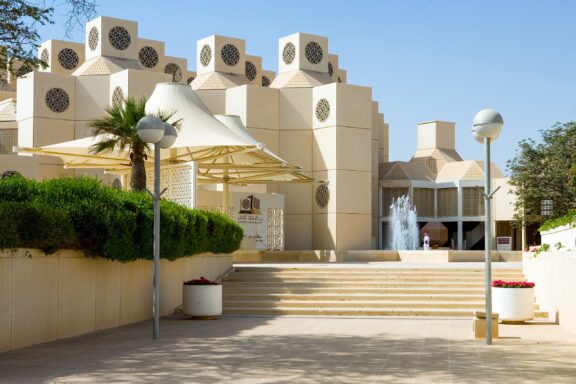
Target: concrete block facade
[308,114]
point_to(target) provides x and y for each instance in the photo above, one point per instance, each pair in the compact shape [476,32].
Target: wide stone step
[338,311]
[344,271]
[353,297]
[266,289]
[352,304]
[355,284]
[362,279]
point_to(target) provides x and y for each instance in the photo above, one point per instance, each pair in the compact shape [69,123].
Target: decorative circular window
[205,55]
[117,96]
[230,55]
[339,79]
[330,69]
[93,38]
[322,195]
[148,57]
[68,59]
[119,38]
[313,52]
[174,70]
[266,81]
[289,53]
[57,100]
[251,70]
[190,80]
[322,110]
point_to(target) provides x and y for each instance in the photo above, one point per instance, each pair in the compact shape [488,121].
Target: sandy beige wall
[44,298]
[554,275]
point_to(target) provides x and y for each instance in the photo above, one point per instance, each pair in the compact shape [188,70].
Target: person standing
[426,242]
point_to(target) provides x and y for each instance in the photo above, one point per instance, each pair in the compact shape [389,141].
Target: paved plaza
[300,350]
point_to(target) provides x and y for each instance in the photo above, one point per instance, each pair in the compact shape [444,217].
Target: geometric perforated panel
[205,55]
[313,52]
[93,38]
[174,70]
[230,55]
[119,38]
[148,57]
[251,71]
[289,53]
[57,100]
[322,110]
[8,140]
[68,59]
[266,81]
[117,97]
[275,229]
[322,195]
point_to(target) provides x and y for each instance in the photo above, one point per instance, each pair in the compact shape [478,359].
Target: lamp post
[486,127]
[153,130]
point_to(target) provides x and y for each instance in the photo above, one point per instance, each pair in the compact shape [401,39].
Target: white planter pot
[202,300]
[513,304]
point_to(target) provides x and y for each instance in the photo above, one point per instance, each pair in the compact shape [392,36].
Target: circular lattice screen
[57,100]
[205,55]
[230,55]
[93,38]
[148,57]
[119,38]
[174,70]
[289,53]
[339,79]
[266,81]
[313,52]
[330,69]
[117,96]
[68,59]
[251,71]
[322,110]
[190,79]
[45,55]
[322,195]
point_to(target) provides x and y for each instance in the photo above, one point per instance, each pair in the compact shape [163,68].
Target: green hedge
[569,218]
[85,214]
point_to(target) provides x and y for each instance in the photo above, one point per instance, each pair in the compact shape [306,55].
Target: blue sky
[424,59]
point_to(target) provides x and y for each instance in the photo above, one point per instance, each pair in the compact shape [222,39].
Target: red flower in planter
[512,284]
[201,281]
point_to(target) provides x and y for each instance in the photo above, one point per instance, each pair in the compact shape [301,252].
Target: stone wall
[49,297]
[565,235]
[554,274]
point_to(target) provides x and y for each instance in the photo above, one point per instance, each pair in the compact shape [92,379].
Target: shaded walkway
[299,350]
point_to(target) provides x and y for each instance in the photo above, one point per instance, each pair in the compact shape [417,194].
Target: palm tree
[119,128]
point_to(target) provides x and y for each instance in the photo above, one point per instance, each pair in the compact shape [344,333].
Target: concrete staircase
[382,291]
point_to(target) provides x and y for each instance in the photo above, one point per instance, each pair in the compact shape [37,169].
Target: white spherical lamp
[487,124]
[169,138]
[150,129]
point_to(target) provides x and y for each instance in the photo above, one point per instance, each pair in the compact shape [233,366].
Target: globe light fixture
[153,130]
[486,128]
[150,129]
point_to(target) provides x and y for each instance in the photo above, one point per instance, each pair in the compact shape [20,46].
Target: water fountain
[403,225]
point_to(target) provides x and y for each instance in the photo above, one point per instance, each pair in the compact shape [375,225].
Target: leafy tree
[19,36]
[119,126]
[545,171]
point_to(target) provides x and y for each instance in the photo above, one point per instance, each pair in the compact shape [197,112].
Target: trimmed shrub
[84,213]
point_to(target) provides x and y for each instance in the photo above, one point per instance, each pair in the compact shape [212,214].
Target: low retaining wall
[565,235]
[44,298]
[246,256]
[554,274]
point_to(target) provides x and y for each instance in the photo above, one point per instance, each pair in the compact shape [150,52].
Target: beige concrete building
[447,189]
[307,113]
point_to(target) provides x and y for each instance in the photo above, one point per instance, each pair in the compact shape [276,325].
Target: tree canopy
[19,21]
[545,171]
